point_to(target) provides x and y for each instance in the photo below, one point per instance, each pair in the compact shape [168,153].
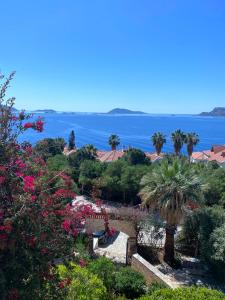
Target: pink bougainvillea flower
[3,236]
[99,202]
[112,232]
[44,251]
[31,241]
[14,118]
[28,125]
[82,263]
[29,183]
[33,198]
[2,179]
[2,168]
[20,164]
[45,213]
[66,225]
[28,150]
[39,125]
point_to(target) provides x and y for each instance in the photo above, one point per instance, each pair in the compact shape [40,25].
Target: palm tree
[114,141]
[169,188]
[91,150]
[158,139]
[178,138]
[191,140]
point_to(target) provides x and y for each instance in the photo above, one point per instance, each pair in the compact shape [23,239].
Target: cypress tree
[72,140]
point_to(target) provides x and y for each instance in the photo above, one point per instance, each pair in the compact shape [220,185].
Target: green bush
[130,283]
[105,270]
[80,283]
[192,293]
[155,286]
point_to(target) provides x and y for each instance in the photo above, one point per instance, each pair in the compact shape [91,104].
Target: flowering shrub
[37,225]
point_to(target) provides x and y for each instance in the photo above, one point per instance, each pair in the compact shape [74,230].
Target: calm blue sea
[133,130]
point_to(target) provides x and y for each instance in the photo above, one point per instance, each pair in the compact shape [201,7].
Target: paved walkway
[116,249]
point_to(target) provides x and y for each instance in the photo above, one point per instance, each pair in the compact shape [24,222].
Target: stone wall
[150,273]
[120,225]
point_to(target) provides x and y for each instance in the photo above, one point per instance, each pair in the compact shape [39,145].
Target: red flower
[33,198]
[112,232]
[39,125]
[20,163]
[82,263]
[66,225]
[2,168]
[28,150]
[29,183]
[31,241]
[45,213]
[3,236]
[44,251]
[2,179]
[14,118]
[28,125]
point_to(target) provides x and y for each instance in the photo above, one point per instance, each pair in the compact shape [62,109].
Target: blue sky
[95,55]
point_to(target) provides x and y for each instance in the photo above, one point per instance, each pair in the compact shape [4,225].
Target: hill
[216,112]
[124,111]
[47,111]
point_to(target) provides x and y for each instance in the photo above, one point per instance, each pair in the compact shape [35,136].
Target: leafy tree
[58,163]
[186,293]
[114,141]
[215,179]
[105,270]
[71,140]
[130,182]
[136,156]
[84,153]
[130,283]
[178,138]
[191,139]
[204,230]
[169,188]
[49,147]
[88,171]
[158,140]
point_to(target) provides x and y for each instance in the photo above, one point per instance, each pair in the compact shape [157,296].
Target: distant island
[216,112]
[124,111]
[47,111]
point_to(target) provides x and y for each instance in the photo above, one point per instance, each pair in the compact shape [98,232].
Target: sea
[133,130]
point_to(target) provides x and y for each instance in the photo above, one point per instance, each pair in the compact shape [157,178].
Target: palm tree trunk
[169,244]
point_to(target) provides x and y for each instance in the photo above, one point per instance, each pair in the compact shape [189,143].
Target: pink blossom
[66,225]
[82,263]
[28,125]
[29,183]
[2,179]
[39,125]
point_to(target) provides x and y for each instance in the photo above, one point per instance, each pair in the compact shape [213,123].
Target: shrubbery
[130,283]
[192,293]
[80,283]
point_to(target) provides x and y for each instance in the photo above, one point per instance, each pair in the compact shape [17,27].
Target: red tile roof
[109,156]
[154,156]
[217,153]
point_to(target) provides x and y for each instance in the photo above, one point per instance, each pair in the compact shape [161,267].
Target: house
[216,154]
